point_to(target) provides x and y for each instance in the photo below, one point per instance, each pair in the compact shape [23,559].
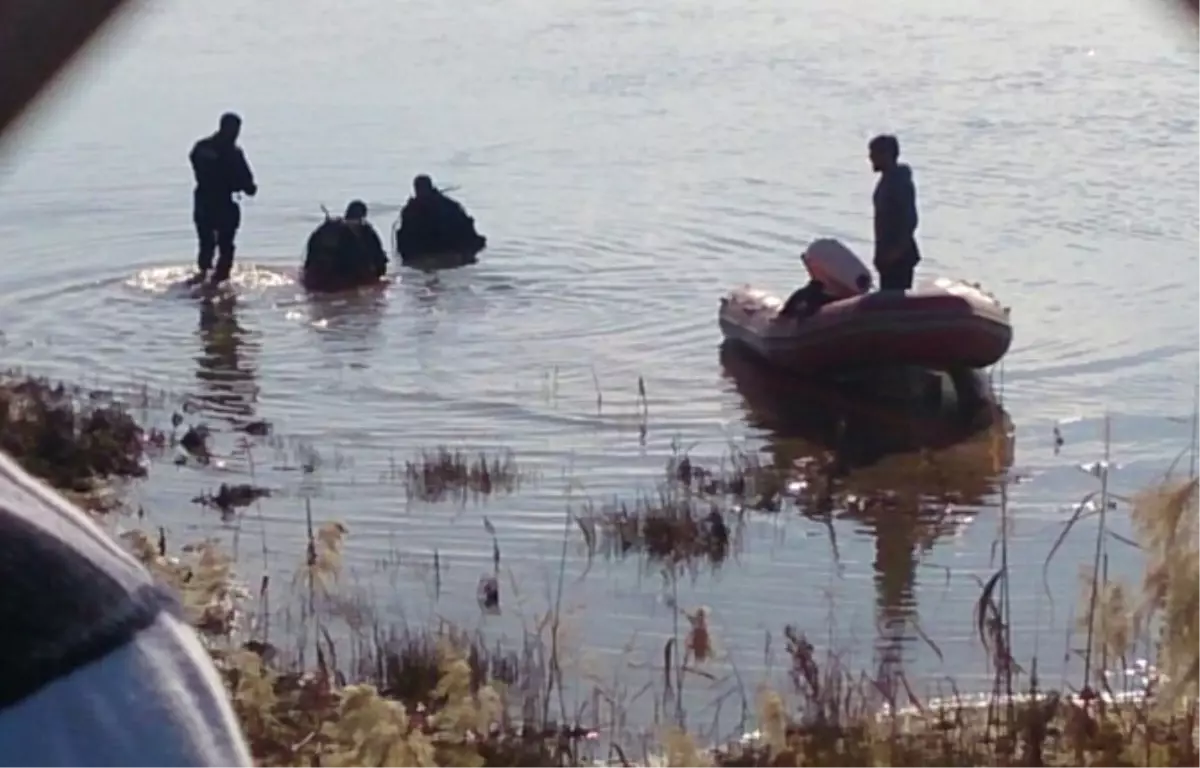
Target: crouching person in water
[221,170]
[432,224]
[344,252]
[835,274]
[806,301]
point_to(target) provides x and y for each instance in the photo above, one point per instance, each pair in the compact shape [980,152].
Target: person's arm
[311,265]
[898,216]
[796,301]
[907,194]
[407,213]
[243,177]
[379,259]
[464,219]
[793,301]
[201,158]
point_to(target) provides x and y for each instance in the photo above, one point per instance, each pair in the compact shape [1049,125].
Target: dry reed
[69,437]
[441,473]
[444,697]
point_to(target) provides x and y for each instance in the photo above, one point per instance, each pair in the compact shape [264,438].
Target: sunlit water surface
[629,163]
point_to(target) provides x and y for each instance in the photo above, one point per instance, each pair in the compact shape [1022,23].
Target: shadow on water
[439,291]
[456,288]
[225,368]
[431,299]
[348,320]
[906,473]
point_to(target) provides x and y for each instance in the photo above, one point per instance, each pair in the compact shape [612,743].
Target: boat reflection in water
[898,454]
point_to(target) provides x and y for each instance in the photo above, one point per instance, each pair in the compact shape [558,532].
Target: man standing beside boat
[895,199]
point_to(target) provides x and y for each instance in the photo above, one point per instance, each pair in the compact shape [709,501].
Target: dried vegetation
[443,474]
[445,697]
[73,438]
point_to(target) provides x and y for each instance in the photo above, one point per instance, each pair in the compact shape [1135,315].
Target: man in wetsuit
[431,222]
[896,253]
[344,252]
[221,170]
[371,247]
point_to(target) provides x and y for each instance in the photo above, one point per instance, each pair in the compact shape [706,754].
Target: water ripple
[629,163]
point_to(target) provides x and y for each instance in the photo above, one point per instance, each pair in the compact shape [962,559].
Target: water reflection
[225,368]
[908,473]
[349,321]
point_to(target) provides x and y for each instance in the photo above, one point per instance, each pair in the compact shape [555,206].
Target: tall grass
[339,687]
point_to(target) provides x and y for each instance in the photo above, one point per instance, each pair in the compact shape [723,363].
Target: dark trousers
[216,226]
[897,275]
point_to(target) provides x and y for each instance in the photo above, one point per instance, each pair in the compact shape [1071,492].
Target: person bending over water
[344,252]
[221,170]
[835,274]
[895,199]
[432,223]
[808,300]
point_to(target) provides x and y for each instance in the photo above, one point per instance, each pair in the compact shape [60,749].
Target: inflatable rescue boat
[950,324]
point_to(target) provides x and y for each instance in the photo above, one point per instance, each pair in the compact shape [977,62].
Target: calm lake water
[630,162]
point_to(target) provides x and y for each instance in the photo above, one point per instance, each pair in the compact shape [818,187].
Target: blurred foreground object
[98,664]
[1188,8]
[37,39]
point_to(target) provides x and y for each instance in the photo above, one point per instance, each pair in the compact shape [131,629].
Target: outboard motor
[837,268]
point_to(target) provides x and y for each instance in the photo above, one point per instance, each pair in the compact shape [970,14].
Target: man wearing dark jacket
[896,253]
[221,170]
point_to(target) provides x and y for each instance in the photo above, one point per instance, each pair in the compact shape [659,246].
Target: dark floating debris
[195,442]
[258,428]
[488,594]
[231,497]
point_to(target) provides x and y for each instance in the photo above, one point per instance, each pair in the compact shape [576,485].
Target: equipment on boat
[951,324]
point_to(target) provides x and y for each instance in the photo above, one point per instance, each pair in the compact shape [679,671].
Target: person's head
[229,127]
[356,211]
[422,185]
[884,151]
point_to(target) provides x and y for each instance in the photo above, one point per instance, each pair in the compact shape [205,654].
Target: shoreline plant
[364,693]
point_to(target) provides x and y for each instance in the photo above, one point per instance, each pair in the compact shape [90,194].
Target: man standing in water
[896,253]
[221,170]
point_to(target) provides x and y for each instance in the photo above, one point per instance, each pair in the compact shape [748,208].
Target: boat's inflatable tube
[951,324]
